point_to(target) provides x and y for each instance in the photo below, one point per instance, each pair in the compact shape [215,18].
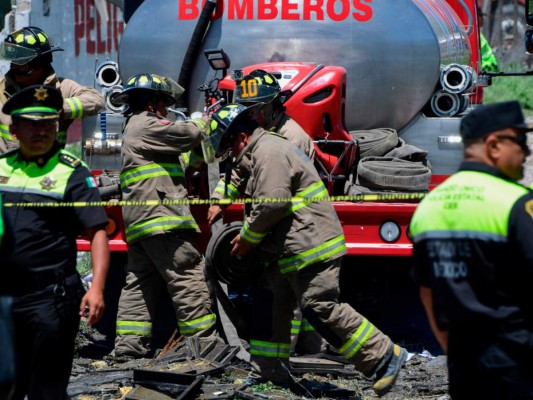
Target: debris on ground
[208,369]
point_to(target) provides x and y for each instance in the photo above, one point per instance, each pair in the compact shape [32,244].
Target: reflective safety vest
[488,59]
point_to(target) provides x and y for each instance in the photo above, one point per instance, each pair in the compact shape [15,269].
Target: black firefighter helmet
[25,45]
[225,123]
[148,86]
[257,87]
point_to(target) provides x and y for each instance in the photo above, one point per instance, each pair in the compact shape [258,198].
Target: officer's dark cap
[38,102]
[494,117]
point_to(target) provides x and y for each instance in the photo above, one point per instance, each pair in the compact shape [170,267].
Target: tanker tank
[392,50]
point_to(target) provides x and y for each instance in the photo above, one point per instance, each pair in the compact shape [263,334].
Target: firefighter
[30,52]
[260,87]
[474,259]
[306,244]
[39,264]
[161,249]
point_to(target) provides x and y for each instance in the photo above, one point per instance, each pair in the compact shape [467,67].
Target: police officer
[30,52]
[306,242]
[39,266]
[474,259]
[161,250]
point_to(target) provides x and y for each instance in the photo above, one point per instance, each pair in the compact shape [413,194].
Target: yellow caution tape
[360,198]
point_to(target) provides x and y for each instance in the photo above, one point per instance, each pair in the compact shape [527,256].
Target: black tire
[375,142]
[387,173]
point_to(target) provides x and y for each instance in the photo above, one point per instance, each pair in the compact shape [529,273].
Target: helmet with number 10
[257,87]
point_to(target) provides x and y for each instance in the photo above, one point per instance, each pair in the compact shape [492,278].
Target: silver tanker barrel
[393,51]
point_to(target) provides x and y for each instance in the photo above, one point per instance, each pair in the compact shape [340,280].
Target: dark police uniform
[39,267]
[477,257]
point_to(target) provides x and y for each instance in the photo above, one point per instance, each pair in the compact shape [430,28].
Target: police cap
[493,117]
[37,102]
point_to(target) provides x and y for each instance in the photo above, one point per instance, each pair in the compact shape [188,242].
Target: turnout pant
[162,262]
[315,289]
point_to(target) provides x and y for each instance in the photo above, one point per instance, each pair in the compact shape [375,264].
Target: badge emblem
[48,182]
[4,179]
[41,94]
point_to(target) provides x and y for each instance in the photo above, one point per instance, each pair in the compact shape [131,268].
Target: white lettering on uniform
[450,269]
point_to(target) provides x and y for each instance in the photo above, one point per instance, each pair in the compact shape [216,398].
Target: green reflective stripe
[4,132]
[315,190]
[357,340]
[194,159]
[186,157]
[149,171]
[270,349]
[320,253]
[200,123]
[61,137]
[295,326]
[76,108]
[232,191]
[197,325]
[139,328]
[306,326]
[162,224]
[251,236]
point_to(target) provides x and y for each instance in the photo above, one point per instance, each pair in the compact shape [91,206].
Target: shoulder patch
[529,208]
[69,159]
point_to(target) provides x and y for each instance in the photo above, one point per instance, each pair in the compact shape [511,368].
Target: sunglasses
[520,140]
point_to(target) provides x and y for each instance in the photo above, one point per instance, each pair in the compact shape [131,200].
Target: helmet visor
[212,149]
[249,91]
[17,54]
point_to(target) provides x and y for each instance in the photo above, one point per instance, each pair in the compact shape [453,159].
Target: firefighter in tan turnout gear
[161,250]
[30,52]
[306,242]
[260,87]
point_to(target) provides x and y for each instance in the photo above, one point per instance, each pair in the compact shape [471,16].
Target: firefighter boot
[388,369]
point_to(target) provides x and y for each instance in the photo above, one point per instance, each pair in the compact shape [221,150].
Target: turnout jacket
[299,234]
[78,102]
[151,170]
[473,246]
[286,127]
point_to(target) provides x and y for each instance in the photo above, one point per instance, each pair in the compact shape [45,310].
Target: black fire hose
[236,272]
[195,44]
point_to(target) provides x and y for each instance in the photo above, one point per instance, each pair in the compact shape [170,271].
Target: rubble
[208,369]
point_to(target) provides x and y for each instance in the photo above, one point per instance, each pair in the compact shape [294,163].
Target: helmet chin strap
[227,172]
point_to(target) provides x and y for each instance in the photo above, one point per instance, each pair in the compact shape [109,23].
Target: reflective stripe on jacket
[302,233]
[151,170]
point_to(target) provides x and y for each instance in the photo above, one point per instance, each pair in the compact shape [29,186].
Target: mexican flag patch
[91,182]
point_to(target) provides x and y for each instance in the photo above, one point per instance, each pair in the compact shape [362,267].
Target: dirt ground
[95,376]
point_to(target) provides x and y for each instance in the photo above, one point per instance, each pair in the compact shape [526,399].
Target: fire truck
[349,68]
